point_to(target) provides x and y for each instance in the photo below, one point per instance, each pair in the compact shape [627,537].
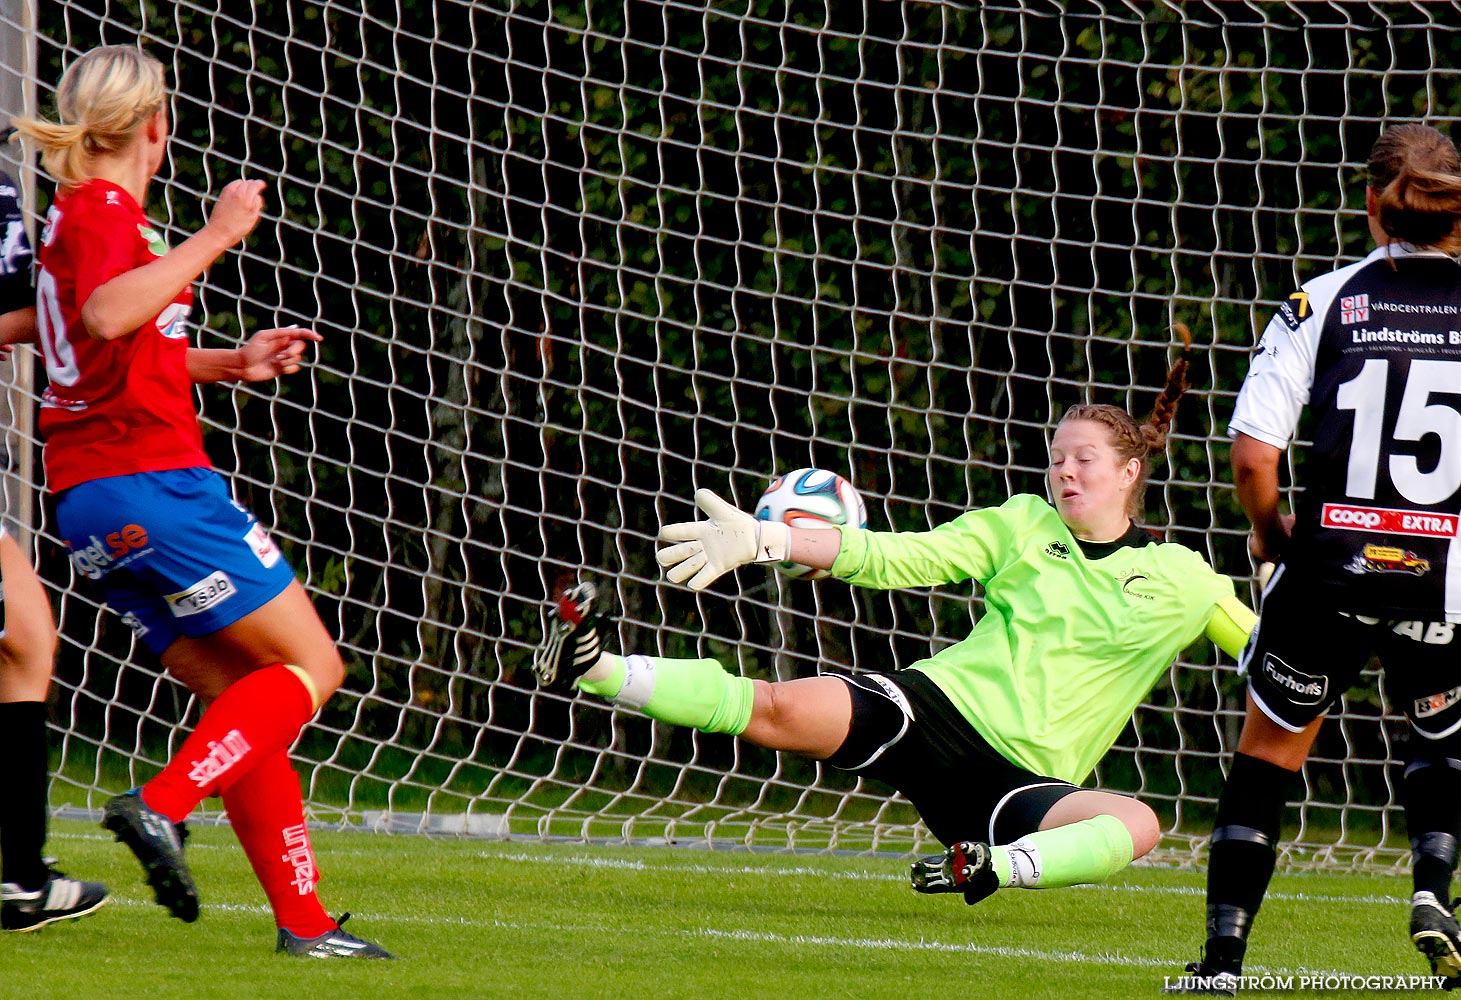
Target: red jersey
[111,408]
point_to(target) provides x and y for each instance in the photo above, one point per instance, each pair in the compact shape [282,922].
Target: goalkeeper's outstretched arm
[704,551]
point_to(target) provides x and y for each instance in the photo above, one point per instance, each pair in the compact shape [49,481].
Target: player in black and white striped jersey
[1370,561]
[32,894]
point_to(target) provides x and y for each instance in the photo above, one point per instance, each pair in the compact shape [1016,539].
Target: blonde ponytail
[105,97]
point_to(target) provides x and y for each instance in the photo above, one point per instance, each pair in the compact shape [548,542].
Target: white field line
[789,871]
[794,941]
[793,871]
[757,937]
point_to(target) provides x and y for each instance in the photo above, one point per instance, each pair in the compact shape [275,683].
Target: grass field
[472,918]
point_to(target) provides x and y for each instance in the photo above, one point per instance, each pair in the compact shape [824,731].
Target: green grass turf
[523,919]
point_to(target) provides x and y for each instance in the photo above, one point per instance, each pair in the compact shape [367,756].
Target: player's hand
[706,550]
[271,353]
[1265,547]
[237,211]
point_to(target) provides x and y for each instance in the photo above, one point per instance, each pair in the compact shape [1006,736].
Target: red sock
[254,718]
[267,813]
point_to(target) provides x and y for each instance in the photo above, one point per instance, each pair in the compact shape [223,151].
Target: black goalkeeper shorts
[905,732]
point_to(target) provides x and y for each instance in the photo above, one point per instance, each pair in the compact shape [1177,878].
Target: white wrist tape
[773,542]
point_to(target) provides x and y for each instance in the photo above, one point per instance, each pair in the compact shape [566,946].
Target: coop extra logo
[1387,520]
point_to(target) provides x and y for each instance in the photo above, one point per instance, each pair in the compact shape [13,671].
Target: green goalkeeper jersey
[1068,645]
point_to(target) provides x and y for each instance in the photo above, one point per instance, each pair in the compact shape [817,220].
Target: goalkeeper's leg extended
[1086,852]
[684,692]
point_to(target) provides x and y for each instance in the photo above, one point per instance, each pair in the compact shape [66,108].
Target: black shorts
[1304,655]
[907,733]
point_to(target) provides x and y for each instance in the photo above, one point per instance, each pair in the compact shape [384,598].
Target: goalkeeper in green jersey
[989,738]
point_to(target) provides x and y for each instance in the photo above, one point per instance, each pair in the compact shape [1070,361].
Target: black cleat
[60,898]
[1434,930]
[570,643]
[1201,979]
[158,844]
[965,867]
[332,944]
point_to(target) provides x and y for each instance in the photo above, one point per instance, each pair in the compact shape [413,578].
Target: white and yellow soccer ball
[811,498]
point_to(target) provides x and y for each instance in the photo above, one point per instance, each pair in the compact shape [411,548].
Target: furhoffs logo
[1301,688]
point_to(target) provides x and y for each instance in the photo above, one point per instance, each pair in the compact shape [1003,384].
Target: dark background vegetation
[574,260]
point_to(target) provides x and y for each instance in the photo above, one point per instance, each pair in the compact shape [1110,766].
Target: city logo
[1386,520]
[1354,309]
[1058,549]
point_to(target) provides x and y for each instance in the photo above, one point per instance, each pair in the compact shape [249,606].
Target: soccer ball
[811,498]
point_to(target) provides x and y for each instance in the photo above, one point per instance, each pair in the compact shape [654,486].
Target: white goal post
[573,260]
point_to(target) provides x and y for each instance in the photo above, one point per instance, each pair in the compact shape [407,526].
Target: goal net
[573,261]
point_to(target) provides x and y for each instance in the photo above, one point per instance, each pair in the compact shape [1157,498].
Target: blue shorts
[173,552]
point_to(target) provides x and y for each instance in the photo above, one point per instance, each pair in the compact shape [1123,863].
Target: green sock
[1077,854]
[696,693]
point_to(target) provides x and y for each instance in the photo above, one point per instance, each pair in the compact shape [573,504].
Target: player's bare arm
[1255,473]
[125,303]
[267,355]
[17,327]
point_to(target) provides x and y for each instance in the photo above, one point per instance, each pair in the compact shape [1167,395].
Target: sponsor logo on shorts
[262,545]
[221,756]
[1430,633]
[1058,549]
[1302,688]
[134,623]
[1385,559]
[94,559]
[1436,703]
[1386,520]
[894,692]
[208,592]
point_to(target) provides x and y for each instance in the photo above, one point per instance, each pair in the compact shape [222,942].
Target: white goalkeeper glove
[706,550]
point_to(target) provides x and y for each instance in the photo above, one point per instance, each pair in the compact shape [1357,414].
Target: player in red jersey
[191,572]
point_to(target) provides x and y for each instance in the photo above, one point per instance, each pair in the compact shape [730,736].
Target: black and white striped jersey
[1374,351]
[15,255]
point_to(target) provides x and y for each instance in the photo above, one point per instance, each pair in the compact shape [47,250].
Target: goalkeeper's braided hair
[1141,440]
